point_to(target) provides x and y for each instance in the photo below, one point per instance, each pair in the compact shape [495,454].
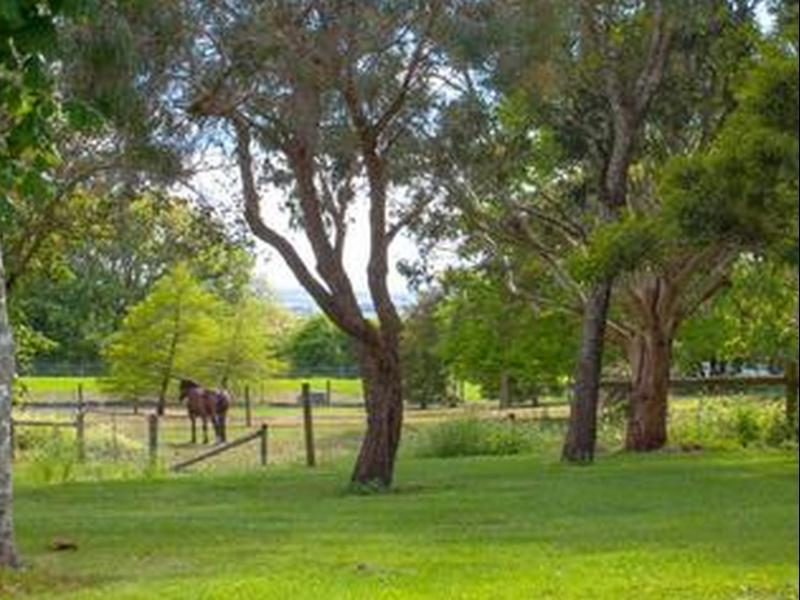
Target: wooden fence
[260,434]
[79,424]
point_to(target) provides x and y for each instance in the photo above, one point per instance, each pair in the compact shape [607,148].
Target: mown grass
[98,386]
[699,525]
[269,388]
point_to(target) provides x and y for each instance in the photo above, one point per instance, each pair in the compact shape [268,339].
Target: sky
[221,187]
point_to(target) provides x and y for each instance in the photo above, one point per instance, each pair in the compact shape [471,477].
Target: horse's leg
[222,426]
[205,429]
[194,429]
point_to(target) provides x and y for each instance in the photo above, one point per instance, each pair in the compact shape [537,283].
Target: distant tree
[427,377]
[318,346]
[753,319]
[107,257]
[245,347]
[160,337]
[487,334]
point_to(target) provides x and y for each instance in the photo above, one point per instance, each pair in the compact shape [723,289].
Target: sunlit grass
[707,525]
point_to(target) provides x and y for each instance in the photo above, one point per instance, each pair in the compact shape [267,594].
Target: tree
[528,349]
[753,319]
[317,345]
[158,336]
[426,376]
[29,113]
[245,347]
[107,257]
[589,90]
[315,97]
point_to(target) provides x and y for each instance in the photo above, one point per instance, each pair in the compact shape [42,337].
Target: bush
[731,423]
[471,436]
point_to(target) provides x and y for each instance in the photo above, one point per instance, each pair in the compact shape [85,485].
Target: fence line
[78,424]
[259,433]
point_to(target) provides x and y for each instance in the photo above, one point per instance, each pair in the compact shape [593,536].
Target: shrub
[731,423]
[472,436]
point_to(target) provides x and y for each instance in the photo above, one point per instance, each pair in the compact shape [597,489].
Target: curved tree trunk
[582,434]
[650,355]
[383,393]
[8,554]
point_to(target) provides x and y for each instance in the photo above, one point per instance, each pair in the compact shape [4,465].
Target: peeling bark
[650,357]
[383,393]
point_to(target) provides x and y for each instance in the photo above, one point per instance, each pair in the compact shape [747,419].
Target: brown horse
[206,404]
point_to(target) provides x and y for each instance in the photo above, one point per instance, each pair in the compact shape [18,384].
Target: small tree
[426,374]
[245,346]
[319,345]
[154,343]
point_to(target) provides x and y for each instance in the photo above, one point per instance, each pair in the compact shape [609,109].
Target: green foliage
[244,348]
[160,336]
[744,187]
[318,345]
[475,437]
[484,331]
[425,375]
[753,319]
[620,247]
[729,423]
[87,275]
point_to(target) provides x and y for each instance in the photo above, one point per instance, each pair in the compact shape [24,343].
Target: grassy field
[65,388]
[697,525]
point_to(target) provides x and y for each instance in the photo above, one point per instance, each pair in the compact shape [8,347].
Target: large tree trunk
[383,393]
[650,355]
[582,434]
[8,554]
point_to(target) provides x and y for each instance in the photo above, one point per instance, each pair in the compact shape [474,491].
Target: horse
[206,404]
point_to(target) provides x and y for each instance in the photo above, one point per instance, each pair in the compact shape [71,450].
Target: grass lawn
[695,526]
[283,387]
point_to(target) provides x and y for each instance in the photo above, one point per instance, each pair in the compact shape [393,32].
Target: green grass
[62,384]
[700,525]
[94,385]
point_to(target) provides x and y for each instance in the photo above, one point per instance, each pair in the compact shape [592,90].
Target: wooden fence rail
[260,433]
[78,424]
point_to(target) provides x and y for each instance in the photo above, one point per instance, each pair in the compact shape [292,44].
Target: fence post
[79,435]
[308,425]
[247,415]
[152,437]
[11,437]
[80,397]
[263,444]
[327,392]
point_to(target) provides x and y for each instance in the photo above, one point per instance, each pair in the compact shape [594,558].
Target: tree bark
[582,433]
[8,553]
[650,355]
[383,393]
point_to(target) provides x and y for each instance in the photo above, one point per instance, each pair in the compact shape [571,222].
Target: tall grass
[473,436]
